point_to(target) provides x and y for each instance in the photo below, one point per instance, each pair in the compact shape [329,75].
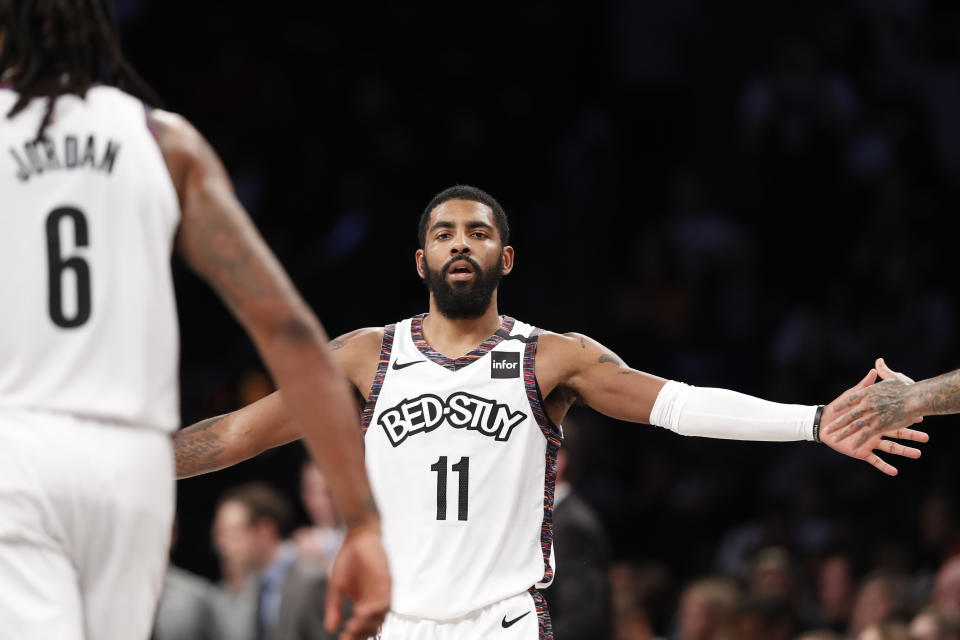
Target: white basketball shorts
[86,511]
[520,617]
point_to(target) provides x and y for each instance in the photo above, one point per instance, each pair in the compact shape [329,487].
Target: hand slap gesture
[873,411]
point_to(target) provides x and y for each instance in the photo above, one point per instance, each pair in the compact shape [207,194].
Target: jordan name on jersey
[68,152]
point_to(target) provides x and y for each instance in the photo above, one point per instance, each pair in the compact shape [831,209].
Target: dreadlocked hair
[57,47]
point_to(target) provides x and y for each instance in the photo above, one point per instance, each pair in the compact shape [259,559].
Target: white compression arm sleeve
[719,413]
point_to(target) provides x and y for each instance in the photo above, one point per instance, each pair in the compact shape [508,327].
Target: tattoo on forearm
[940,395]
[583,345]
[197,449]
[337,343]
[611,357]
[630,372]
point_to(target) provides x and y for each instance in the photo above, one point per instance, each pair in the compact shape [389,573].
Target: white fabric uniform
[88,368]
[520,617]
[462,462]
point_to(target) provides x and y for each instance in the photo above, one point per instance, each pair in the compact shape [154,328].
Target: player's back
[87,222]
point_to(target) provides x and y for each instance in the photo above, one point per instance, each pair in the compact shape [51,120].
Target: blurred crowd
[745,194]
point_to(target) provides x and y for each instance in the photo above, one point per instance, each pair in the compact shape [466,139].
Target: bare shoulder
[173,131]
[575,348]
[358,354]
[180,143]
[360,341]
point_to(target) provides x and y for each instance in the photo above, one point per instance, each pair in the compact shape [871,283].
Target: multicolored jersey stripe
[386,346]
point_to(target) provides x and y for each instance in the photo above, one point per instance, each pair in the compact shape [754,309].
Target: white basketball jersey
[87,220]
[462,461]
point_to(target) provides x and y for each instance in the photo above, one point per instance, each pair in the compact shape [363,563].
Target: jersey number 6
[58,264]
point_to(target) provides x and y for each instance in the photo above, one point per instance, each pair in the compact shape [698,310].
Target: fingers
[363,624]
[332,611]
[887,373]
[848,424]
[898,449]
[881,466]
[841,422]
[910,434]
[868,379]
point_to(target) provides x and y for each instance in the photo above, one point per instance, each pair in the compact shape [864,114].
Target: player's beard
[463,299]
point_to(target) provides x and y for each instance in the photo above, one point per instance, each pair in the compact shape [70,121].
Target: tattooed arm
[599,378]
[221,244]
[224,441]
[895,403]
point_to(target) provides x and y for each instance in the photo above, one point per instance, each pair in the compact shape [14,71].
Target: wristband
[816,423]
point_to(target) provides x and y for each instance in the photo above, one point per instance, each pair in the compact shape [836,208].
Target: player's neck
[454,337]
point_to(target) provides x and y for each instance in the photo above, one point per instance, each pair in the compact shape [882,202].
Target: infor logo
[504,365]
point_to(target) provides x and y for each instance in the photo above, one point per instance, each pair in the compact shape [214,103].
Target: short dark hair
[264,503]
[466,192]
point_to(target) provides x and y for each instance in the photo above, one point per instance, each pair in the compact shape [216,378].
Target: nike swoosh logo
[506,624]
[397,366]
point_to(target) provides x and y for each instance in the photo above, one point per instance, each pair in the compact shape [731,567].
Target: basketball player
[95,190]
[461,409]
[896,402]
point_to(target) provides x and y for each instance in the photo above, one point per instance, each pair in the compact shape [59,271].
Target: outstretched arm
[600,379]
[221,442]
[221,244]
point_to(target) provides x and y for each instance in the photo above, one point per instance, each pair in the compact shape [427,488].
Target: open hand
[359,571]
[870,409]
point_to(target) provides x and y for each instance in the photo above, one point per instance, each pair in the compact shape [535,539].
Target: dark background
[749,194]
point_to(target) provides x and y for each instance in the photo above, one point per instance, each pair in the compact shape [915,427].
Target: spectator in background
[267,594]
[707,609]
[185,611]
[882,596]
[819,634]
[765,619]
[579,598]
[633,590]
[318,543]
[888,630]
[946,589]
[931,624]
[835,592]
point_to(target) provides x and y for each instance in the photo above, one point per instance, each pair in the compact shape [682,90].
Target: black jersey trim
[386,347]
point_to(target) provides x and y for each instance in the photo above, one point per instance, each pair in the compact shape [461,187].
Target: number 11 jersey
[87,221]
[462,462]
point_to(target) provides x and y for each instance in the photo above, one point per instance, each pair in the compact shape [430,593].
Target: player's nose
[460,245]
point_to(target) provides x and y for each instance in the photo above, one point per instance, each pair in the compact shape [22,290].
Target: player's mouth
[460,271]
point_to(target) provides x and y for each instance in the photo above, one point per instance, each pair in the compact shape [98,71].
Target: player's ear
[421,264]
[507,260]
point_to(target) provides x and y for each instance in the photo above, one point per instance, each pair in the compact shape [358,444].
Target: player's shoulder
[570,350]
[173,132]
[365,340]
[553,341]
[358,353]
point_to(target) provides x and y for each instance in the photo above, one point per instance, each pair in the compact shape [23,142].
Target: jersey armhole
[386,346]
[147,112]
[551,431]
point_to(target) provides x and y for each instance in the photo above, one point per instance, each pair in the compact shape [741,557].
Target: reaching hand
[861,409]
[359,571]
